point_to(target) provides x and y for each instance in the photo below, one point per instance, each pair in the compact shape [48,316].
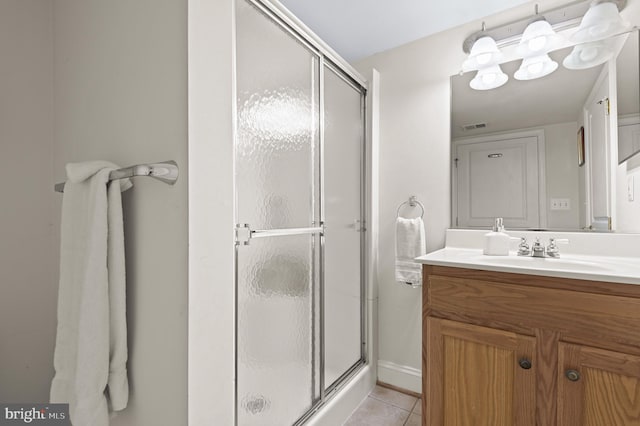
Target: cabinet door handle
[525,363]
[572,375]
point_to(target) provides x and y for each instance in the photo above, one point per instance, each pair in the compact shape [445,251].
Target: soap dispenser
[496,242]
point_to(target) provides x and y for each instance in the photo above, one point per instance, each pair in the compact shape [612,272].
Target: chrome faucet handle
[523,248]
[537,248]
[552,248]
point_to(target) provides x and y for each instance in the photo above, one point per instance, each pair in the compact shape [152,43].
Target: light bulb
[588,54]
[599,31]
[537,43]
[489,78]
[535,68]
[484,53]
[484,58]
[601,21]
[538,38]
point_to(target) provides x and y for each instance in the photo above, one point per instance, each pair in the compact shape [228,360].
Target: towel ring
[413,200]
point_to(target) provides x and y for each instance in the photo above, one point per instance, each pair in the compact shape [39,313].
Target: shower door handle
[244,233]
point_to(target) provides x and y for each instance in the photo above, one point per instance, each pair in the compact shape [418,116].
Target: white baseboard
[402,376]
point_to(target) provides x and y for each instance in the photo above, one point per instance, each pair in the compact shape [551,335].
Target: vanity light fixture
[484,57]
[484,53]
[601,21]
[537,40]
[588,55]
[536,37]
[535,67]
[489,78]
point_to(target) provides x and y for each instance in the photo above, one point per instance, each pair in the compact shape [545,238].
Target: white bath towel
[90,356]
[410,243]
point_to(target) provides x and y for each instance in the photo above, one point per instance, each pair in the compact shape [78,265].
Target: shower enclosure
[299,167]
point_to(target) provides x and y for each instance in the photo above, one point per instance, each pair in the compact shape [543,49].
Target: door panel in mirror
[498,178]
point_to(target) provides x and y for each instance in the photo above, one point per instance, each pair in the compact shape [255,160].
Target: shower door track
[331,391]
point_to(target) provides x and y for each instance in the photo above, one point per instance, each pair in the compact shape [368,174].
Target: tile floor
[387,407]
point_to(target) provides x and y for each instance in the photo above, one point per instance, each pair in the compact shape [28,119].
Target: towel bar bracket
[243,234]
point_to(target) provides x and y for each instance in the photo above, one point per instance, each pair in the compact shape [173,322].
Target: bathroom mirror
[538,127]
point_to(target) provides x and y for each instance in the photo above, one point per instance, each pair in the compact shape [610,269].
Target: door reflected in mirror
[545,186]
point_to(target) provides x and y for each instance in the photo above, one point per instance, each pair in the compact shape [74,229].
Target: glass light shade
[601,21]
[588,55]
[489,78]
[484,53]
[538,38]
[535,67]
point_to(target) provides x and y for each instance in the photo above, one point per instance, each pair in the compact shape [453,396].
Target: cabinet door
[597,387]
[478,376]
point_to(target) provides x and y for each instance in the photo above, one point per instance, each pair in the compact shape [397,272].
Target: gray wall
[28,250]
[120,79]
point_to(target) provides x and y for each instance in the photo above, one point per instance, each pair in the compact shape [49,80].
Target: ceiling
[359,28]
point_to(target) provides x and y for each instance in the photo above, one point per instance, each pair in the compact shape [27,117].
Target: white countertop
[577,266]
[606,257]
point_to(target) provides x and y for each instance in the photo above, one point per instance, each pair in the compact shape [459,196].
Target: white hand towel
[91,343]
[410,243]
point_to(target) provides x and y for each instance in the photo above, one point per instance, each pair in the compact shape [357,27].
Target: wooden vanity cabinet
[604,388]
[513,349]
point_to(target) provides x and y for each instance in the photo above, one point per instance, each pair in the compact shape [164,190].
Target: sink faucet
[523,248]
[552,248]
[539,250]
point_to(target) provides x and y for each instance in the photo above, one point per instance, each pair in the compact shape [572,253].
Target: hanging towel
[410,243]
[90,357]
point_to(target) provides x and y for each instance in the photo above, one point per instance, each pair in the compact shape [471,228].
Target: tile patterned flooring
[387,407]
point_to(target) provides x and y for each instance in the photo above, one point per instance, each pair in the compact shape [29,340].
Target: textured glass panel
[277,125]
[342,284]
[276,354]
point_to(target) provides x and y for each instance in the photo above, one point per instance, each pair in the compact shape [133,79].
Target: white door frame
[542,189]
[612,148]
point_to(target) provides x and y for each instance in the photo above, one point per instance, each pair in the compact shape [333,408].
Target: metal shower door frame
[325,57]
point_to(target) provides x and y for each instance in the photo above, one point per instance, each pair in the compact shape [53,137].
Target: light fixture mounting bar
[561,18]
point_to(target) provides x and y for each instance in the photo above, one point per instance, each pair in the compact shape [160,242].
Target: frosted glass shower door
[277,165]
[343,141]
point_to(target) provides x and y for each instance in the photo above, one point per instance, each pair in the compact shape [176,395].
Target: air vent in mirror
[468,127]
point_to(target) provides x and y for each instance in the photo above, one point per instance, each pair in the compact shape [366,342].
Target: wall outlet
[560,204]
[630,189]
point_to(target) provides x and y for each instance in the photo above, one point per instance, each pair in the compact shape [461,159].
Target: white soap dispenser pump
[496,242]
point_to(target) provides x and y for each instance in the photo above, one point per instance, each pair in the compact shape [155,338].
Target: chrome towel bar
[244,233]
[166,171]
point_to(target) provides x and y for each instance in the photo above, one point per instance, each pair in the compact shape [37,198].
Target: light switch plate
[630,189]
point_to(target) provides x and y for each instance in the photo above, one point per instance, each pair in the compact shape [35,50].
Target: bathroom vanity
[539,344]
